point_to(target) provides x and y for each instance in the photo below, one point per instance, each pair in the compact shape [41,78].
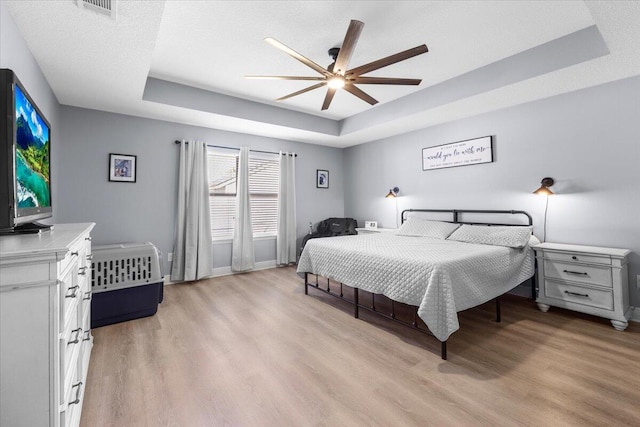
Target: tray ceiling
[184,61]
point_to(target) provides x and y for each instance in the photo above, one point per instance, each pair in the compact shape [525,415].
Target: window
[264,170]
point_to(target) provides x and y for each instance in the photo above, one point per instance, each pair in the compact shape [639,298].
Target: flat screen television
[25,159]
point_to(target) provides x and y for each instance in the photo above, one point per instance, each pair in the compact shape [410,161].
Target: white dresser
[587,279]
[45,326]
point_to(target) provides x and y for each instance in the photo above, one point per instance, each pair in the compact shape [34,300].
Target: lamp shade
[393,193]
[544,187]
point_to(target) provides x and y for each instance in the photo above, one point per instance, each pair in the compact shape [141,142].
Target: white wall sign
[461,153]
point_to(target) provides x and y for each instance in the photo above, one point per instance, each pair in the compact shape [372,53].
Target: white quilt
[441,277]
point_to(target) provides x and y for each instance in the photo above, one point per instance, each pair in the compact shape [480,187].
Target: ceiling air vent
[103,7]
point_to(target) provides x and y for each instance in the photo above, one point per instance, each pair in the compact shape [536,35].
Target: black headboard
[458,214]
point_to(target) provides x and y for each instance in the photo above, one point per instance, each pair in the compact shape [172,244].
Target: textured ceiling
[483,55]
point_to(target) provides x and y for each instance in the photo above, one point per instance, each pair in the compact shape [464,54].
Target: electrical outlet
[170,256]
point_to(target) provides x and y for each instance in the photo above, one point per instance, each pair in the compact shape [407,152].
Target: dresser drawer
[84,262]
[598,298]
[589,274]
[70,347]
[86,306]
[72,403]
[578,257]
[70,294]
[71,258]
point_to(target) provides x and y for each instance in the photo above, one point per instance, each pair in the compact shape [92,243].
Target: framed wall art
[322,179]
[122,167]
[461,153]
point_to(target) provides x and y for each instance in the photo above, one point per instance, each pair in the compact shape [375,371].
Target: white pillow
[511,236]
[426,228]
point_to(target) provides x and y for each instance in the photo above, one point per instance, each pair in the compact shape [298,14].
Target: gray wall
[145,210]
[15,55]
[586,140]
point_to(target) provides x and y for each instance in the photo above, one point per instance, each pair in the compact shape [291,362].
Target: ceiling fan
[338,76]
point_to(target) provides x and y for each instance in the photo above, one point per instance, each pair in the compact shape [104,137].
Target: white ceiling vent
[103,7]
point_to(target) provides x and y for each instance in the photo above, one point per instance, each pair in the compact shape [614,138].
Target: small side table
[588,279]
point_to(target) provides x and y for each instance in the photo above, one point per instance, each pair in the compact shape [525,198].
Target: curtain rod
[236,148]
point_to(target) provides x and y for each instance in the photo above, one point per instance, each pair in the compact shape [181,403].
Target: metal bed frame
[456,215]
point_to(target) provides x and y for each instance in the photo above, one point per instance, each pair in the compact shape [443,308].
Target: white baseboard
[522,290]
[225,271]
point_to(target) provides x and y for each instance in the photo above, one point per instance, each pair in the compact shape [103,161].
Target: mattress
[441,277]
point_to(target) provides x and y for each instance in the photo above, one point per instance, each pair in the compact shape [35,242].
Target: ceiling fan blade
[328,98]
[385,81]
[306,61]
[360,94]
[348,46]
[300,92]
[284,78]
[401,56]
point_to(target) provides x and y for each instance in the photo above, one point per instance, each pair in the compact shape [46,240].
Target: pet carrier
[126,282]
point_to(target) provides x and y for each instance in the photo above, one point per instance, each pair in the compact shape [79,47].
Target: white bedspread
[441,277]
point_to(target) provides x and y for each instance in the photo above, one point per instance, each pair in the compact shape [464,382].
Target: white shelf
[376,230]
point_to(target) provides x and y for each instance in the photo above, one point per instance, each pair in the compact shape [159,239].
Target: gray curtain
[286,249]
[243,257]
[192,251]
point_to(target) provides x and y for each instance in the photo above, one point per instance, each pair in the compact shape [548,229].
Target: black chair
[332,227]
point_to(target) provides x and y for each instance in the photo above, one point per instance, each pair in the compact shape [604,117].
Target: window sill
[230,240]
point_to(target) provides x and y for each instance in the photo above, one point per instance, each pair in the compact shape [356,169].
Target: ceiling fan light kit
[338,76]
[336,82]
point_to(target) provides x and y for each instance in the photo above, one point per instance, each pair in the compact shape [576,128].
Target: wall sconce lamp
[393,193]
[544,191]
[544,187]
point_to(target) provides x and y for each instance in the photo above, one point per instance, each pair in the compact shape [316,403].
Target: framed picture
[122,167]
[322,179]
[461,153]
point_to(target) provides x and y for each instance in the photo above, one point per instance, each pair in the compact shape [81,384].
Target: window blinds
[263,185]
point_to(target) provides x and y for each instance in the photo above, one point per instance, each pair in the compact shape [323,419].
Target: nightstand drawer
[589,274]
[579,294]
[578,257]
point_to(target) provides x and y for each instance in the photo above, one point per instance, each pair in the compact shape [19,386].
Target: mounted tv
[25,159]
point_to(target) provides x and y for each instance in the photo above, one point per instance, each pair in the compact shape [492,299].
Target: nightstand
[587,279]
[375,230]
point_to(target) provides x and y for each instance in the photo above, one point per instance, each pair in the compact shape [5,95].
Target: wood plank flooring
[253,350]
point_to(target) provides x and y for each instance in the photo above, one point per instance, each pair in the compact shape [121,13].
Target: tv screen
[32,166]
[25,159]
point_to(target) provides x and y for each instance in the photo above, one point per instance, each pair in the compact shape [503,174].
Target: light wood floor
[253,350]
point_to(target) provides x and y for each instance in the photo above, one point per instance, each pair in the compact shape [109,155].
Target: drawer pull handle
[77,400]
[74,253]
[82,271]
[76,340]
[87,336]
[576,272]
[88,238]
[89,257]
[575,258]
[75,292]
[576,294]
[87,296]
